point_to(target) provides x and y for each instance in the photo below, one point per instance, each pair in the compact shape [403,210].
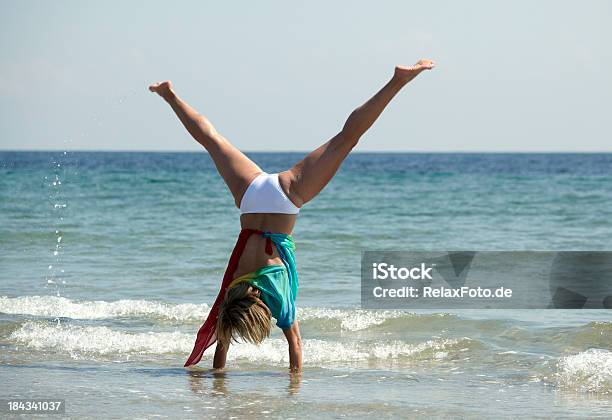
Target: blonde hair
[243,314]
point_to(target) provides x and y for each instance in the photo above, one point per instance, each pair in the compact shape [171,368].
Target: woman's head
[243,314]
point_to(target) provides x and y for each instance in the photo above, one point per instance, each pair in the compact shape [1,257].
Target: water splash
[54,277]
[588,371]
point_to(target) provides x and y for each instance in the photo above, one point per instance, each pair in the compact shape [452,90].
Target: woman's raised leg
[234,167]
[309,176]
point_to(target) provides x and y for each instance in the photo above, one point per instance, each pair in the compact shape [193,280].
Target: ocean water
[109,262]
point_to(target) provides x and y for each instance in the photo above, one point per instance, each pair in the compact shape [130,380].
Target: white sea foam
[54,306]
[587,371]
[91,341]
[350,320]
[97,340]
[357,319]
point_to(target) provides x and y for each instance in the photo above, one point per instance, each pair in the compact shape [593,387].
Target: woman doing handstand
[261,280]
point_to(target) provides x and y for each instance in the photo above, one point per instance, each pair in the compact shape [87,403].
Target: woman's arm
[220,356]
[295,347]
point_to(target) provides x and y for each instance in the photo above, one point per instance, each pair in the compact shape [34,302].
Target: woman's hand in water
[406,74]
[163,89]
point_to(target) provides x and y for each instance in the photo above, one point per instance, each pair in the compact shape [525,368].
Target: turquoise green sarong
[278,284]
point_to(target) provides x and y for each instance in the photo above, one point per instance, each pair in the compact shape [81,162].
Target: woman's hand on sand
[406,74]
[163,89]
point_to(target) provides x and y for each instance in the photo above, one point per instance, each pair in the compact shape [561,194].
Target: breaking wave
[82,342]
[61,307]
[54,306]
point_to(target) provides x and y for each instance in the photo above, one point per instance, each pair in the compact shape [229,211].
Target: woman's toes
[426,64]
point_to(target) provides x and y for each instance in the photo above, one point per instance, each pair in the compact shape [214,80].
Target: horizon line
[308,151]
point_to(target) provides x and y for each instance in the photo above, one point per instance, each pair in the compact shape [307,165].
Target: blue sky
[278,75]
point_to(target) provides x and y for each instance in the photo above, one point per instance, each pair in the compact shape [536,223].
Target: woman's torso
[254,255]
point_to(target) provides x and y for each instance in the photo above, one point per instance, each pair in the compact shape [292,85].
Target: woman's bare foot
[163,89]
[406,74]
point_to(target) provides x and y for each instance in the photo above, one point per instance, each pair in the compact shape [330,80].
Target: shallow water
[106,276]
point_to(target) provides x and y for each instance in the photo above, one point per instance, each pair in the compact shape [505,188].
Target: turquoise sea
[109,262]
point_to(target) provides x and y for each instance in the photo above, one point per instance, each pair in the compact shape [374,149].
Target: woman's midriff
[254,256]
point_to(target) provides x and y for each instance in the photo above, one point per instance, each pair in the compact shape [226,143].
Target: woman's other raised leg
[309,176]
[234,167]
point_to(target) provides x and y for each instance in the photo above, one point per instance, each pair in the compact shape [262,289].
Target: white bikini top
[265,195]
